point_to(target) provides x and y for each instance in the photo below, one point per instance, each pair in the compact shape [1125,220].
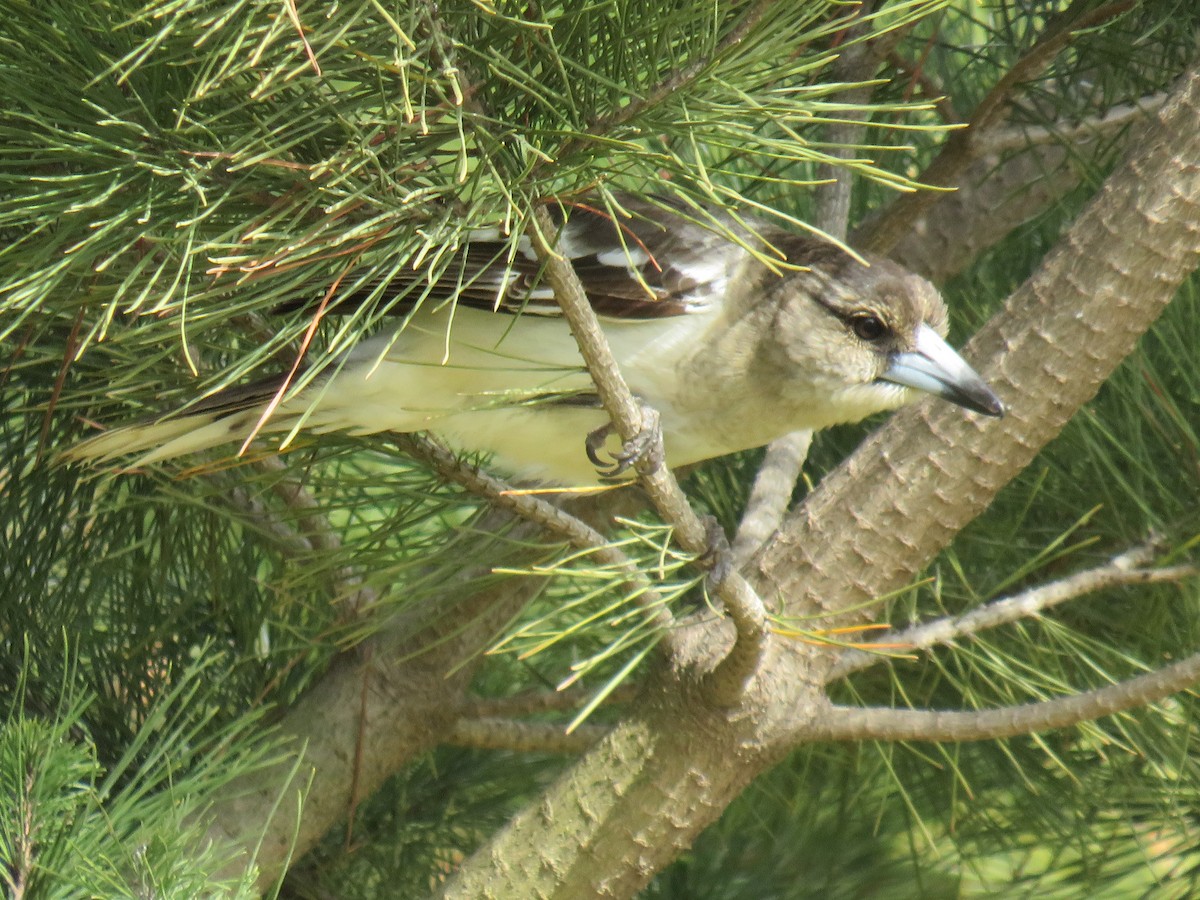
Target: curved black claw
[595,443]
[645,445]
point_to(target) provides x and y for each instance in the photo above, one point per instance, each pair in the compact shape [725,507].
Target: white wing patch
[653,264]
[630,258]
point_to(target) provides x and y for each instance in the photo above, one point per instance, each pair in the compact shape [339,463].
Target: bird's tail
[229,415]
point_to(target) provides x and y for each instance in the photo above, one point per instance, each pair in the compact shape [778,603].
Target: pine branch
[1124,569]
[302,170]
[866,724]
[671,83]
[394,697]
[660,777]
[931,469]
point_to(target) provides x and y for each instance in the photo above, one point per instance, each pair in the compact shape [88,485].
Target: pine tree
[947,663]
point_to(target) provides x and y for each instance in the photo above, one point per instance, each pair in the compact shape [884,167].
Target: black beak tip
[978,398]
[993,407]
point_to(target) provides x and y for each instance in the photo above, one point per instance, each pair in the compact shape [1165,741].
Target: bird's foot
[717,557]
[645,445]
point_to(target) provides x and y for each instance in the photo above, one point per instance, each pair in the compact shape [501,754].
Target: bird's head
[868,337]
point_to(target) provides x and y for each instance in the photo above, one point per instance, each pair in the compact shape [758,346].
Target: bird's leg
[645,445]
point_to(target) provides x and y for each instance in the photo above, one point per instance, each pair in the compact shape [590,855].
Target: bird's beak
[933,366]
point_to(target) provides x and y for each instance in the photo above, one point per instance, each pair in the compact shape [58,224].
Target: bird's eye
[868,327]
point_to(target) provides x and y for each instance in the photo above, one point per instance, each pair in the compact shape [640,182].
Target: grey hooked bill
[934,367]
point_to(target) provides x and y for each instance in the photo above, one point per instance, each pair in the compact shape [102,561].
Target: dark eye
[868,327]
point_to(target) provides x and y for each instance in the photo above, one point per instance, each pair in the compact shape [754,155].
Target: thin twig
[741,603]
[839,723]
[929,90]
[1120,570]
[523,737]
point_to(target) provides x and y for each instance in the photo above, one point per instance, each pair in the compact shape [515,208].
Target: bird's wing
[651,262]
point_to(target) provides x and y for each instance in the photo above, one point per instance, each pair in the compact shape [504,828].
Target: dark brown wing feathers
[653,264]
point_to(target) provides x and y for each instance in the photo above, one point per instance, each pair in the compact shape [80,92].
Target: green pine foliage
[76,826]
[173,173]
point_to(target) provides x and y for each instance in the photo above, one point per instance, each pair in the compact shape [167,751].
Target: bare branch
[523,737]
[856,724]
[1121,570]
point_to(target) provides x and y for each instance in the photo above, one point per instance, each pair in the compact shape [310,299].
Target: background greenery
[171,173]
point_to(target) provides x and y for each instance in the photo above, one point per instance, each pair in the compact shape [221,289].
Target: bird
[736,331]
